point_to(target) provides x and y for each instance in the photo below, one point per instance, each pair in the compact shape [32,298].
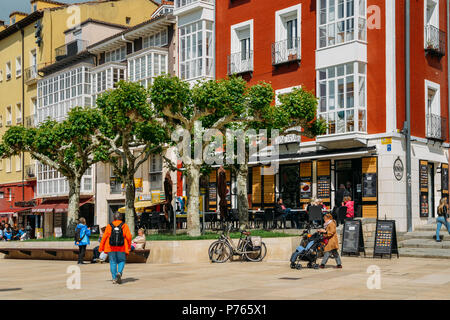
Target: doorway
[288,188]
[349,174]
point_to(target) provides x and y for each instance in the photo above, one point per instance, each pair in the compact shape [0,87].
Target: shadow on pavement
[129,280]
[10,289]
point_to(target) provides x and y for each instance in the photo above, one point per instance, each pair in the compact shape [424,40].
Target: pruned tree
[215,104]
[132,133]
[70,147]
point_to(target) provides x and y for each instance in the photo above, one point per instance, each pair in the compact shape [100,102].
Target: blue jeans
[116,262]
[441,221]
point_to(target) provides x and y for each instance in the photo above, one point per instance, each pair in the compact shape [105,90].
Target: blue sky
[8,6]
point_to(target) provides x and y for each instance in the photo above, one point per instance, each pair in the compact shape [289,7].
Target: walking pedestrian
[82,233]
[331,249]
[442,218]
[116,242]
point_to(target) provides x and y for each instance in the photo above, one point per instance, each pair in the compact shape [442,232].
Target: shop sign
[385,141]
[398,169]
[23,204]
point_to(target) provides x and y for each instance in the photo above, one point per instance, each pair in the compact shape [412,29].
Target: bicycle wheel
[255,255]
[220,252]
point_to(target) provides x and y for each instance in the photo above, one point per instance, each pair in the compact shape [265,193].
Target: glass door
[289,185]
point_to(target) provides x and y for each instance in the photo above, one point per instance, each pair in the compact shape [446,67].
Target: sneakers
[114,281]
[322,266]
[119,278]
[438,240]
[339,266]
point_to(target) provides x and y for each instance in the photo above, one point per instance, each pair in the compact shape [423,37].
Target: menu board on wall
[305,182]
[370,183]
[444,180]
[324,180]
[212,191]
[423,186]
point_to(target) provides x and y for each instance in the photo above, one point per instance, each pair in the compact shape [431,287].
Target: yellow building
[31,42]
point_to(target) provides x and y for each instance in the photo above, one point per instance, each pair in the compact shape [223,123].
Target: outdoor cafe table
[182,217]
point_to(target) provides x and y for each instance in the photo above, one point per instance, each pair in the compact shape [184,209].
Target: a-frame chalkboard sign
[352,238]
[385,239]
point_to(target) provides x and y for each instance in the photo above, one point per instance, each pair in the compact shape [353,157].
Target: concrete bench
[136,256]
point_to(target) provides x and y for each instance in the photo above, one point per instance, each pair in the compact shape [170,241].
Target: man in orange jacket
[117,254]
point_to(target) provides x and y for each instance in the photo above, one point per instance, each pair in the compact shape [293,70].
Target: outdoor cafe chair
[268,218]
[315,214]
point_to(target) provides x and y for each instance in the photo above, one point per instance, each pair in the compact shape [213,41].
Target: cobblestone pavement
[404,278]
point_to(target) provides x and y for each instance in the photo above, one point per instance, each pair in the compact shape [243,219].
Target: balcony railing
[30,121]
[31,75]
[70,49]
[30,171]
[286,51]
[240,62]
[435,40]
[436,127]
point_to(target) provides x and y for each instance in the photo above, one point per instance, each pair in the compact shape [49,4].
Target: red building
[351,54]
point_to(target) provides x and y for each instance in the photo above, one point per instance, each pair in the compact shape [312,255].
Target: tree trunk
[193,217]
[74,206]
[242,200]
[130,194]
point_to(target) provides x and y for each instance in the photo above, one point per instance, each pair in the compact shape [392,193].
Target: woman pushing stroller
[331,240]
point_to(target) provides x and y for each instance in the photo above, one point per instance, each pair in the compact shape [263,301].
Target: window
[287,35]
[13,20]
[1,75]
[196,54]
[119,54]
[8,116]
[58,93]
[340,105]
[18,113]
[433,122]
[34,7]
[8,164]
[159,39]
[8,71]
[115,183]
[18,163]
[1,121]
[241,57]
[432,13]
[155,172]
[106,79]
[337,21]
[144,68]
[18,66]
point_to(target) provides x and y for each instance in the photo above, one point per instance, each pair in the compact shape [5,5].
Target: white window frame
[8,165]
[116,55]
[18,67]
[1,75]
[235,40]
[19,113]
[281,17]
[158,39]
[18,162]
[436,108]
[8,115]
[435,19]
[8,71]
[154,173]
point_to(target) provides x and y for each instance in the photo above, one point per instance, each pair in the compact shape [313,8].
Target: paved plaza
[404,278]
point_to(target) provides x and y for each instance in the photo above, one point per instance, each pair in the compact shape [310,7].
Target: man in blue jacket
[82,232]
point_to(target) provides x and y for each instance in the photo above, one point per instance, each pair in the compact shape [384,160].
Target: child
[350,207]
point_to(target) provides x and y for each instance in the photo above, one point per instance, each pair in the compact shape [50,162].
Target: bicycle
[250,248]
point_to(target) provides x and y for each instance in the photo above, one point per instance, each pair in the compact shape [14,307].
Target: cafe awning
[12,211]
[141,205]
[56,206]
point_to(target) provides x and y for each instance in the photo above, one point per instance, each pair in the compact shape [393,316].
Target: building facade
[351,55]
[47,35]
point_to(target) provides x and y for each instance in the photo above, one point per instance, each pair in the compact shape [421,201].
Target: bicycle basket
[256,242]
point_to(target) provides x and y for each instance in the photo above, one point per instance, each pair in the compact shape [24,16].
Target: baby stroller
[310,247]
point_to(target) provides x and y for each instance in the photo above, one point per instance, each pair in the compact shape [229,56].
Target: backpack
[116,239]
[78,235]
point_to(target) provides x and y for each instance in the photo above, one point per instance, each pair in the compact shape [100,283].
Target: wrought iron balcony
[436,127]
[286,51]
[31,75]
[435,41]
[240,62]
[70,49]
[30,171]
[30,121]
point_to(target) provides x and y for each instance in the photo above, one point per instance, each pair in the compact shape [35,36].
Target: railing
[31,74]
[31,171]
[70,49]
[436,127]
[240,62]
[286,51]
[182,3]
[435,40]
[30,121]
